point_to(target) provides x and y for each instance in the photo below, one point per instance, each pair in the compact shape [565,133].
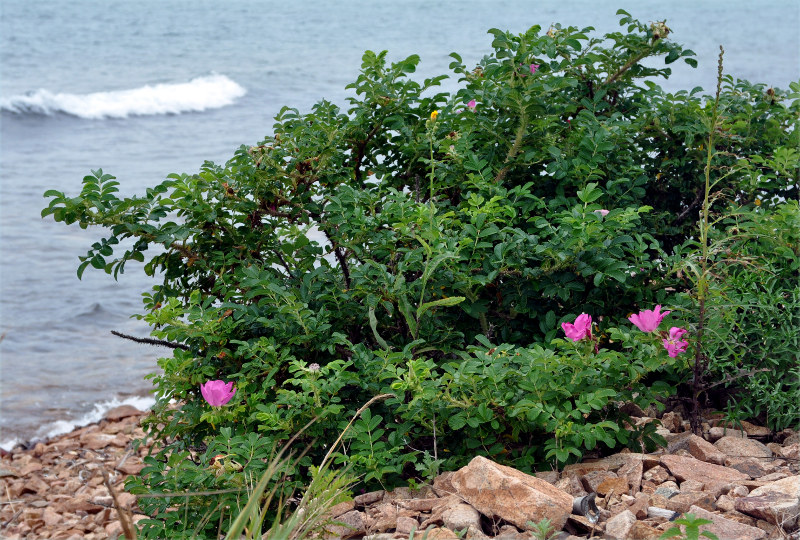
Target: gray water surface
[58,359]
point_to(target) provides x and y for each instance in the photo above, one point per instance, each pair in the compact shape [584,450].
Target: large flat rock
[712,476]
[777,502]
[519,498]
[726,529]
[742,448]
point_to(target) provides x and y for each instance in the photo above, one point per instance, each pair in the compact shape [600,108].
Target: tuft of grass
[327,488]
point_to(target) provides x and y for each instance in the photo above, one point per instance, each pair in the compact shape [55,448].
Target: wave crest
[199,94]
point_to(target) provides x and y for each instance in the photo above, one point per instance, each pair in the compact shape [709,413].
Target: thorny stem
[361,151]
[337,251]
[628,65]
[702,282]
[514,150]
[431,179]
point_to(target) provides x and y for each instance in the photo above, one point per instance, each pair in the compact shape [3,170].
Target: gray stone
[369,498]
[666,490]
[348,525]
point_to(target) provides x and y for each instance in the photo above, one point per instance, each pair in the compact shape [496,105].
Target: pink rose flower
[603,212]
[673,343]
[217,393]
[534,67]
[580,329]
[648,320]
[472,105]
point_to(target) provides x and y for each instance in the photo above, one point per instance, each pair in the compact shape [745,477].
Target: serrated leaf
[457,421]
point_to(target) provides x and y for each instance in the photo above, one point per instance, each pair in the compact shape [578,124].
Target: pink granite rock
[593,479]
[657,475]
[441,533]
[672,421]
[442,485]
[619,526]
[406,524]
[571,483]
[705,451]
[632,472]
[777,502]
[742,448]
[460,517]
[791,451]
[713,476]
[615,485]
[752,467]
[123,411]
[717,432]
[497,490]
[726,529]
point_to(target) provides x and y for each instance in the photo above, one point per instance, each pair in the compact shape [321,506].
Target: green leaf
[433,264]
[82,267]
[590,193]
[373,323]
[451,301]
[405,309]
[457,421]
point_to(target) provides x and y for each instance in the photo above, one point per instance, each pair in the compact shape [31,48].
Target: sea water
[143,89]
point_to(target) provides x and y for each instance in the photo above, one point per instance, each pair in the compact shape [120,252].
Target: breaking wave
[98,412]
[199,94]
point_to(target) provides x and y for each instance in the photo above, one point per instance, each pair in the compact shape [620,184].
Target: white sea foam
[199,94]
[95,415]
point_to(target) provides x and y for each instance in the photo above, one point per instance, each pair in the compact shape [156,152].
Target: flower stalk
[700,360]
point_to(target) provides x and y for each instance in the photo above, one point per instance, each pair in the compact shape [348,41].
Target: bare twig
[150,341]
[731,378]
[363,408]
[124,518]
[435,453]
[628,65]
[339,257]
[697,200]
[13,518]
[187,493]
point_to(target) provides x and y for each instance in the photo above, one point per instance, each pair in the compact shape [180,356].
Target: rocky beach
[745,479]
[57,488]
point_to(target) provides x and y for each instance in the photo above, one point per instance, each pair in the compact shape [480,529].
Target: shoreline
[56,428]
[56,488]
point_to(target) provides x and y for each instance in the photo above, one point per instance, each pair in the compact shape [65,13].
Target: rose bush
[432,246]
